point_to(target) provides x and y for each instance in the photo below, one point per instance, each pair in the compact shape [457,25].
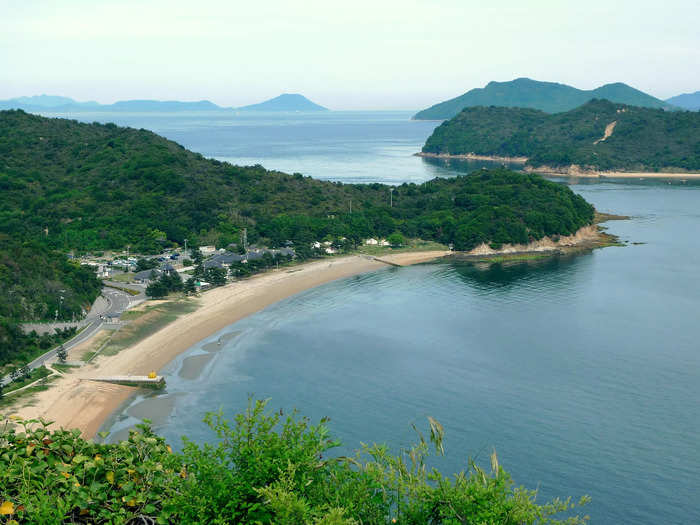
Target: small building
[222,260]
[147,276]
[371,241]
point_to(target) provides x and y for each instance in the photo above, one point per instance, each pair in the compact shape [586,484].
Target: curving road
[108,306]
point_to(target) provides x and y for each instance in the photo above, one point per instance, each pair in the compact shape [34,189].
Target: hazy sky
[345,55]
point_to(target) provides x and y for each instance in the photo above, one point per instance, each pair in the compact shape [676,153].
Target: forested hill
[639,138]
[550,97]
[84,187]
[75,186]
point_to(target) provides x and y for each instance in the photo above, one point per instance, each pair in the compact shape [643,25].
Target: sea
[581,372]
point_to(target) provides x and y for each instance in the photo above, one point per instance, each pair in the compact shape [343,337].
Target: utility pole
[391,197]
[185,245]
[245,243]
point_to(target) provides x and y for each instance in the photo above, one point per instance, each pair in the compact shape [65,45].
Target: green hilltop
[550,97]
[640,138]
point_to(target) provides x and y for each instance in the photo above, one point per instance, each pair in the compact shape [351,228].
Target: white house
[372,242]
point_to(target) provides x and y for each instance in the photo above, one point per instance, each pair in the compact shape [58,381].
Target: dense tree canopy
[642,138]
[69,186]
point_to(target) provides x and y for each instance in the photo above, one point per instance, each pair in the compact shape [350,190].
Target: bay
[582,372]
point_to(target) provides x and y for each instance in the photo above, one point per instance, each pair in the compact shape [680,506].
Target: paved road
[116,303]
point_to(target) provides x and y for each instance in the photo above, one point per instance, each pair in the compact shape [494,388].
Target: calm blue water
[583,372]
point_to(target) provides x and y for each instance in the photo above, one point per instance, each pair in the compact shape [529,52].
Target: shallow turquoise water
[583,372]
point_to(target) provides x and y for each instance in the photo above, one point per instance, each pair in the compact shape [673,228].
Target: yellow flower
[77,484]
[98,457]
[170,449]
[110,477]
[65,475]
[131,503]
[7,508]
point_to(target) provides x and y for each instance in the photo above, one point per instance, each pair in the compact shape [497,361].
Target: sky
[360,54]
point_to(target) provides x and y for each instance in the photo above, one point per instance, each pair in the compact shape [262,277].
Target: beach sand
[73,401]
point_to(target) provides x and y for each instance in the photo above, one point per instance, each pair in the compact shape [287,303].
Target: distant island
[76,187]
[689,101]
[285,102]
[600,136]
[549,97]
[58,104]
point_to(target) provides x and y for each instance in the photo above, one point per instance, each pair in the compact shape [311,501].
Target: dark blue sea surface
[582,372]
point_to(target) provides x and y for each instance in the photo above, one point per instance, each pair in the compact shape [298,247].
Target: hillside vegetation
[95,187]
[264,469]
[69,186]
[550,97]
[640,139]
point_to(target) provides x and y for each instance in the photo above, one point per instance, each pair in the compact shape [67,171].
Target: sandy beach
[578,172]
[73,401]
[567,171]
[473,156]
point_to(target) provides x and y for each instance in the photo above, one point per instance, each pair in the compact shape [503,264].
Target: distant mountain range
[44,103]
[549,97]
[689,101]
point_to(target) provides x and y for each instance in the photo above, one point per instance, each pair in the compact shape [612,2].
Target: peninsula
[598,138]
[77,188]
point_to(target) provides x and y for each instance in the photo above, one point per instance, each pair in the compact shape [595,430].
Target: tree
[25,372]
[190,286]
[197,255]
[156,289]
[215,276]
[61,354]
[396,239]
[146,264]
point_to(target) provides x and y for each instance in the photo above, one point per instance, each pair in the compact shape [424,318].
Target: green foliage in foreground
[643,138]
[265,468]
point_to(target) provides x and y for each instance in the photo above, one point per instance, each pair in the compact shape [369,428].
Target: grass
[122,277]
[64,368]
[147,321]
[35,374]
[89,347]
[126,290]
[13,400]
[415,245]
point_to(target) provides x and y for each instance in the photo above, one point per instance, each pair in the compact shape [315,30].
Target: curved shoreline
[472,156]
[572,171]
[73,401]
